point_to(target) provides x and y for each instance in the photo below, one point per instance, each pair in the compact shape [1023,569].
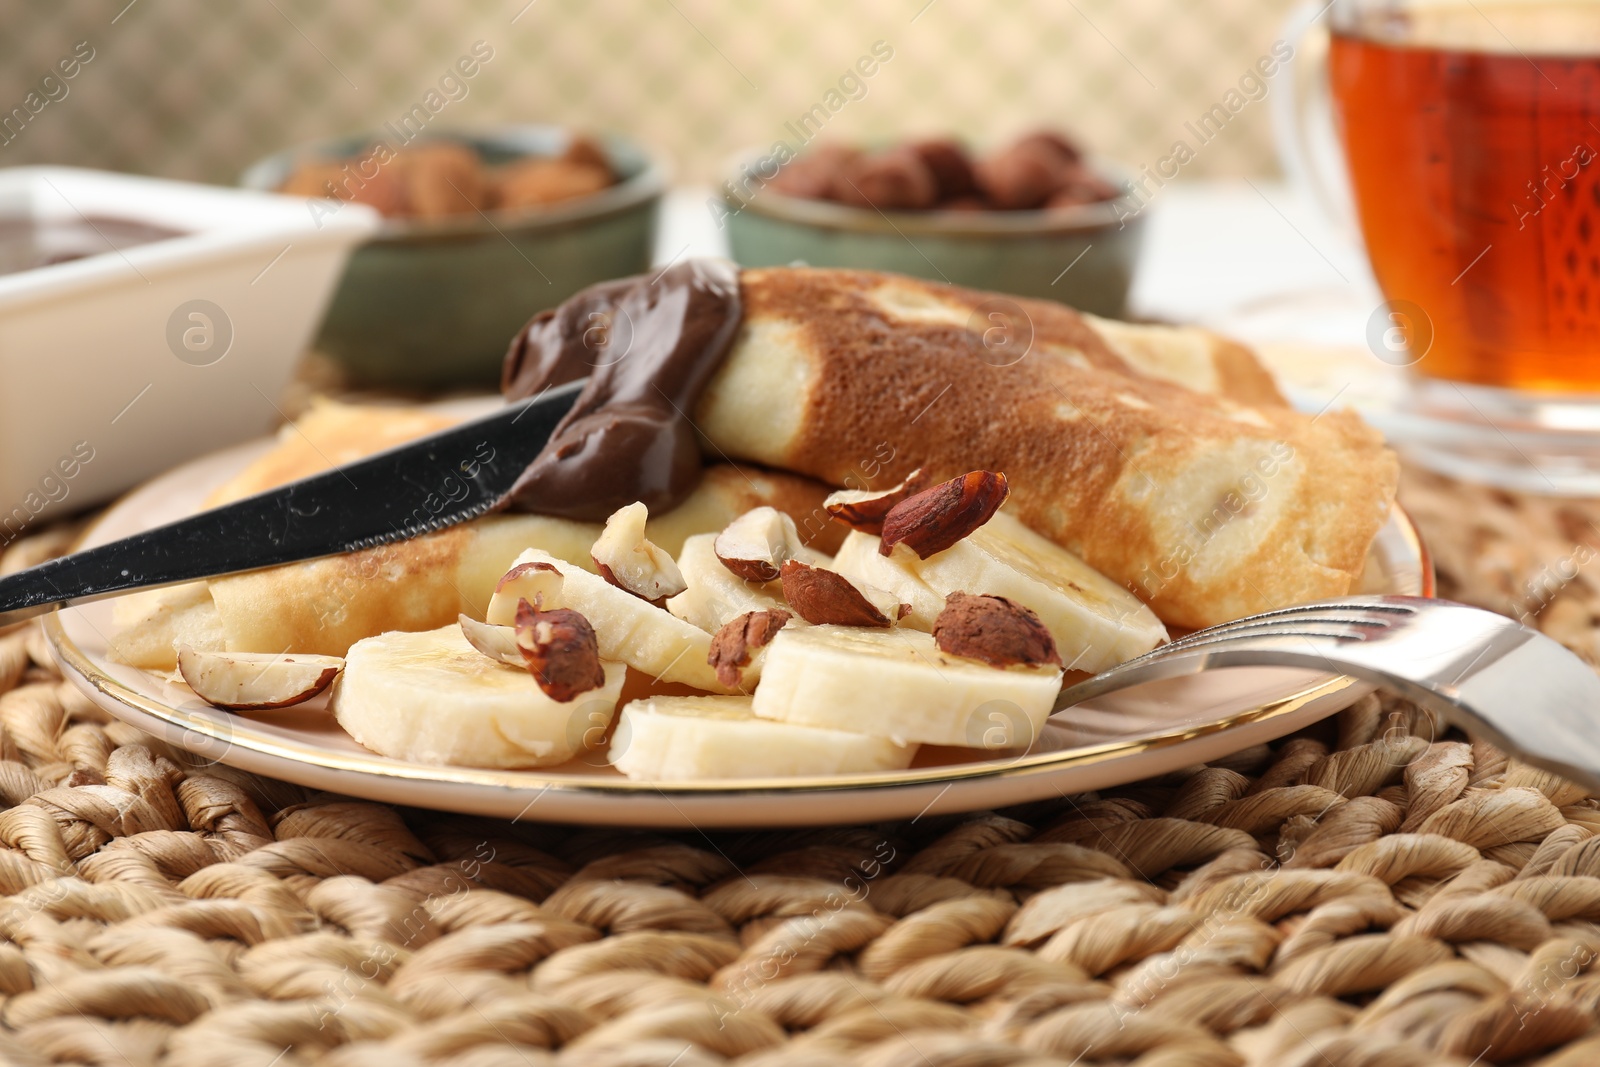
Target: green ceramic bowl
[436,303]
[1083,256]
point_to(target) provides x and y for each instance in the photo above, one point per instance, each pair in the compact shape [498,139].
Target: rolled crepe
[1164,457]
[330,434]
[324,606]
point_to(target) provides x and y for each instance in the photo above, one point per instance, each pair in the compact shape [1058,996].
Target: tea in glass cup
[1471,131]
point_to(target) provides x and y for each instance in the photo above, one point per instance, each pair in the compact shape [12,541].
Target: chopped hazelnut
[821,596]
[561,651]
[733,645]
[995,630]
[936,518]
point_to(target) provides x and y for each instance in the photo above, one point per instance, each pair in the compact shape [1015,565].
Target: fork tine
[1351,625]
[1332,627]
[1351,610]
[1377,605]
[1332,632]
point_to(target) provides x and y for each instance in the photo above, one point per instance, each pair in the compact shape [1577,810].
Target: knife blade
[428,484]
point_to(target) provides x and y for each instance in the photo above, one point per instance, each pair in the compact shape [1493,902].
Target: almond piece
[936,518]
[821,596]
[756,544]
[865,509]
[627,559]
[739,639]
[994,630]
[561,651]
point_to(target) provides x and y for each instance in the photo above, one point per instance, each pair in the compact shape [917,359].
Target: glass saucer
[1534,443]
[1547,444]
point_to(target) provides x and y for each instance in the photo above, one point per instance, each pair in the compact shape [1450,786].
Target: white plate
[1120,738]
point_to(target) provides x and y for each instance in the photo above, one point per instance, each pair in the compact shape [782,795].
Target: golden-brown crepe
[325,605]
[1209,505]
[1185,355]
[328,435]
[1164,456]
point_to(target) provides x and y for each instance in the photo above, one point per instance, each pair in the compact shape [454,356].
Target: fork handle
[1487,674]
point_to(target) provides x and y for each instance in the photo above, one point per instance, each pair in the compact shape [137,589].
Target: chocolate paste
[565,343]
[27,242]
[649,346]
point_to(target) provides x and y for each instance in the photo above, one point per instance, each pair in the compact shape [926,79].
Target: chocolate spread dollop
[648,346]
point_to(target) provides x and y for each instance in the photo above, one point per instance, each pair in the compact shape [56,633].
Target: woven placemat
[1372,891]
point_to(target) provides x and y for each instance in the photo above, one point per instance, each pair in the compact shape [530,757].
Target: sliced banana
[897,684]
[630,630]
[431,697]
[1096,623]
[675,739]
[714,594]
[859,561]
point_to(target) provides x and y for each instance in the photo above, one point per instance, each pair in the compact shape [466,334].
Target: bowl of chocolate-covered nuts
[480,231]
[1035,216]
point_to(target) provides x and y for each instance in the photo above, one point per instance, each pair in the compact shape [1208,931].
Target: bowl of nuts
[1036,217]
[479,232]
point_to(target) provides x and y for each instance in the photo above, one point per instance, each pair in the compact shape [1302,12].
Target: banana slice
[1096,623]
[675,739]
[630,630]
[432,698]
[859,561]
[714,594]
[897,684]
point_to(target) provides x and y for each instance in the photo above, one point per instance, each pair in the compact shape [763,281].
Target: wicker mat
[1371,891]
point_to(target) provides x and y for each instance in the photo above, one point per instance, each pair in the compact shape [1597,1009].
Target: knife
[428,484]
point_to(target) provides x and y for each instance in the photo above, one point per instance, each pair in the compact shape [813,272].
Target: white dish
[84,345]
[1118,739]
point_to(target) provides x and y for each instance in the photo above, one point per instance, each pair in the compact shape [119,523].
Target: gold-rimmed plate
[1117,739]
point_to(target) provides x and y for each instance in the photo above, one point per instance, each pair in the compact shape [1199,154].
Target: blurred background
[199,90]
[195,92]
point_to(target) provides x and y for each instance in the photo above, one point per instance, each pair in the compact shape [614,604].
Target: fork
[1485,673]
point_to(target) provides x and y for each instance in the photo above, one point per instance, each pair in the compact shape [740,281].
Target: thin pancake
[1189,356]
[328,435]
[1206,506]
[325,605]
